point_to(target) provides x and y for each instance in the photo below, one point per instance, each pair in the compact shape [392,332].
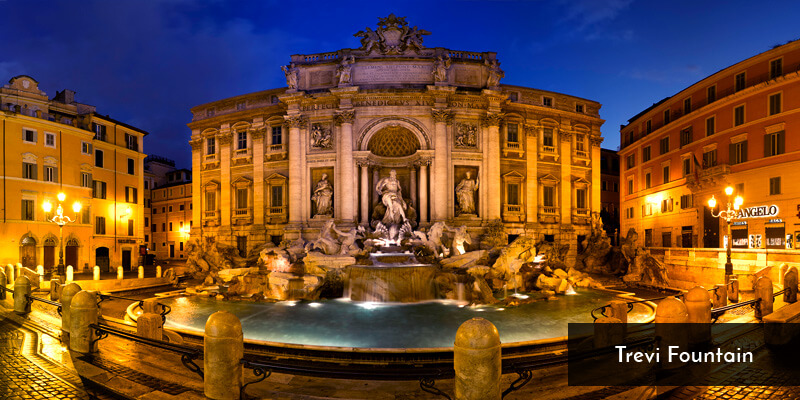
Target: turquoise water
[380,325]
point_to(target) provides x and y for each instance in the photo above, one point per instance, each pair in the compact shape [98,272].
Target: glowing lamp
[712,202]
[729,190]
[47,206]
[61,196]
[76,207]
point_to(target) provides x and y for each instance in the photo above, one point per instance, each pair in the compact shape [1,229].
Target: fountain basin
[395,283]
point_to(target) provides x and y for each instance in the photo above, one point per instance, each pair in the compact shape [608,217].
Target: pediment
[548,179]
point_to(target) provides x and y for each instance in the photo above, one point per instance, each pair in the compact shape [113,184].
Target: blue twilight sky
[146,62]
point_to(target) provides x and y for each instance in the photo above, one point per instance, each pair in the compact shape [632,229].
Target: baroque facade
[466,149]
[59,145]
[734,128]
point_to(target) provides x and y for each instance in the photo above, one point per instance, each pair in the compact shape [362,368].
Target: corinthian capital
[295,121]
[531,130]
[565,136]
[492,119]
[595,140]
[345,117]
[442,116]
[257,133]
[225,137]
[197,144]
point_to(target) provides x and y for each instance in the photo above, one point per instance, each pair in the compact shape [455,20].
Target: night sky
[147,62]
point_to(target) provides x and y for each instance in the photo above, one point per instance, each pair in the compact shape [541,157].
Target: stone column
[565,159]
[83,312]
[413,186]
[364,195]
[258,176]
[423,191]
[492,122]
[223,348]
[295,170]
[440,165]
[532,174]
[197,195]
[224,140]
[595,141]
[346,184]
[375,178]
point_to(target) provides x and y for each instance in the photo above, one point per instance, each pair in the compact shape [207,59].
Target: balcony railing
[513,145]
[211,157]
[277,210]
[549,149]
[548,210]
[241,152]
[209,214]
[513,208]
[242,212]
[582,212]
[276,148]
[581,153]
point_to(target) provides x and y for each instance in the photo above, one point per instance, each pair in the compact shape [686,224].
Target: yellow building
[171,215]
[59,145]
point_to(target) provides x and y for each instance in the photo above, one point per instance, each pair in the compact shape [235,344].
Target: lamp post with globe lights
[728,215]
[60,219]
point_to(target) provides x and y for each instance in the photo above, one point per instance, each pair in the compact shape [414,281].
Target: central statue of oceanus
[394,223]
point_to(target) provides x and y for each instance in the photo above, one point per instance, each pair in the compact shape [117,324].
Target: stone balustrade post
[720,296]
[733,290]
[790,285]
[3,283]
[477,362]
[764,293]
[698,308]
[619,310]
[67,294]
[223,348]
[608,331]
[120,272]
[83,312]
[671,319]
[150,324]
[70,273]
[96,273]
[22,289]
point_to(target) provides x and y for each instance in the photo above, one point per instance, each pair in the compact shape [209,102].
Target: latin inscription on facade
[392,102]
[419,73]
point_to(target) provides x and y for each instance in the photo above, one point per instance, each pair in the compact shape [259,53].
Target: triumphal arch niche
[434,125]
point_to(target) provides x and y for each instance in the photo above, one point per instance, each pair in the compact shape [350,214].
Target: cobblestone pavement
[23,376]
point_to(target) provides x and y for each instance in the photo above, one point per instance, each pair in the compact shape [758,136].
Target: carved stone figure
[291,75]
[392,198]
[460,239]
[369,39]
[321,137]
[440,67]
[323,192]
[343,72]
[465,192]
[413,40]
[326,242]
[347,240]
[435,234]
[495,73]
[393,36]
[467,135]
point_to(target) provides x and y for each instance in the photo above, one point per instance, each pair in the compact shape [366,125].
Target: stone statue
[348,244]
[460,239]
[369,39]
[435,234]
[465,192]
[343,72]
[326,242]
[321,137]
[291,75]
[323,193]
[495,73]
[440,67]
[392,198]
[413,40]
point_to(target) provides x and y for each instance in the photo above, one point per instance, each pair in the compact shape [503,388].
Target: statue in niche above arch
[465,192]
[392,198]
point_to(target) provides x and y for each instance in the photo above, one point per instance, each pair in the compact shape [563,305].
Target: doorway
[101,258]
[27,252]
[71,255]
[171,251]
[710,229]
[126,260]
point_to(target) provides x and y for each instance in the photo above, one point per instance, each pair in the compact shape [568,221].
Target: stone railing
[241,152]
[581,154]
[209,214]
[548,210]
[513,208]
[549,149]
[465,55]
[513,145]
[277,210]
[242,212]
[210,157]
[276,148]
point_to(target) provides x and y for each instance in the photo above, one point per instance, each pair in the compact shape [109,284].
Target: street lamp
[60,219]
[728,215]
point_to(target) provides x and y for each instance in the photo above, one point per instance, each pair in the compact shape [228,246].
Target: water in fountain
[394,276]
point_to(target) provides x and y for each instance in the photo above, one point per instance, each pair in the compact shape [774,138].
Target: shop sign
[739,223]
[758,212]
[775,221]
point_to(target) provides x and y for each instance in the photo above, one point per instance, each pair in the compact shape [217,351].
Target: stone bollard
[764,293]
[141,272]
[790,284]
[619,310]
[10,273]
[733,290]
[55,289]
[150,324]
[720,296]
[698,309]
[119,272]
[18,270]
[82,313]
[3,283]
[223,348]
[22,288]
[476,359]
[70,274]
[69,291]
[96,273]
[40,272]
[608,331]
[158,271]
[671,317]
